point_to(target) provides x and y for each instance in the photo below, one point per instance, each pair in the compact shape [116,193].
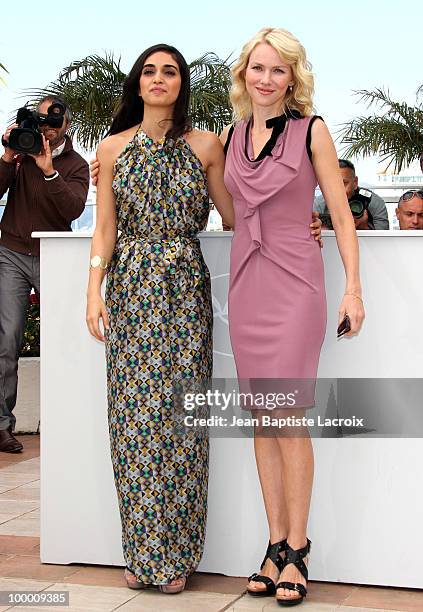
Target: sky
[361,44]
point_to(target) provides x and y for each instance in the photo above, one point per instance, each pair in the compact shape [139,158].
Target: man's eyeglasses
[408,195]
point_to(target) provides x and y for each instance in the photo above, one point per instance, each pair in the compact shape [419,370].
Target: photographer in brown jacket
[46,191]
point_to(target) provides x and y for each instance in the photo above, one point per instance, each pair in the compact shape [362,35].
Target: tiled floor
[102,589]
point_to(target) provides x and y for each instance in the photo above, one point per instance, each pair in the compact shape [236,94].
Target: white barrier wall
[366,507]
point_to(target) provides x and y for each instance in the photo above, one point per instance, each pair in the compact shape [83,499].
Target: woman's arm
[218,192]
[104,238]
[325,163]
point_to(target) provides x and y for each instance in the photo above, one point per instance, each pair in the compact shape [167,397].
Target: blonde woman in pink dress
[276,153]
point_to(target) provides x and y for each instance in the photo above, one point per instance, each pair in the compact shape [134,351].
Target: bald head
[410,213]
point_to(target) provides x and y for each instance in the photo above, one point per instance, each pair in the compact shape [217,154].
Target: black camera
[27,137]
[359,203]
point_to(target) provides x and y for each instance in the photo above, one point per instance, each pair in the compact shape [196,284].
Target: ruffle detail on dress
[260,181]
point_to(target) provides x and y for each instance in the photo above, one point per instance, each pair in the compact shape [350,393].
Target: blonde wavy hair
[291,51]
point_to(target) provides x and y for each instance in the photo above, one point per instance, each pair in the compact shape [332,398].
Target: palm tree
[396,134]
[92,87]
[210,85]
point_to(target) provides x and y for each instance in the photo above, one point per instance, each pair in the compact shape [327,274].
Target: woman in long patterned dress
[154,184]
[276,153]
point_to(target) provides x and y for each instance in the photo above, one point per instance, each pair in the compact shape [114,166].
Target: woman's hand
[96,310]
[352,305]
[316,227]
[94,170]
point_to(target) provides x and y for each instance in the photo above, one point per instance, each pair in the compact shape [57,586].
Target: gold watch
[98,262]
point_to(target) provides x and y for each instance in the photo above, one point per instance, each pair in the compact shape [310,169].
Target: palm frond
[210,85]
[92,87]
[396,135]
[2,67]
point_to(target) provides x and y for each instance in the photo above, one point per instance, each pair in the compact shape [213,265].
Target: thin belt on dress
[156,237]
[178,254]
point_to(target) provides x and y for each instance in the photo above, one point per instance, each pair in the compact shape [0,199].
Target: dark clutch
[344,326]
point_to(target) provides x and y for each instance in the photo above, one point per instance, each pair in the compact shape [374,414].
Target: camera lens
[26,141]
[57,108]
[55,115]
[357,208]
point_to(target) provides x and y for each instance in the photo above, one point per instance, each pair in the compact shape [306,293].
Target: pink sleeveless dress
[277,303]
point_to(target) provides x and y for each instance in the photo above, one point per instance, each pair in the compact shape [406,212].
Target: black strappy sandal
[272,553]
[296,557]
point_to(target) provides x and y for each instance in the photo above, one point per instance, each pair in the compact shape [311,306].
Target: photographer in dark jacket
[46,192]
[373,214]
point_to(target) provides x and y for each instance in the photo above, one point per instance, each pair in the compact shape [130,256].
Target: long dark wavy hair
[130,110]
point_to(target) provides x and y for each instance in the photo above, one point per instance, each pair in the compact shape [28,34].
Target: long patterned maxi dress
[159,303]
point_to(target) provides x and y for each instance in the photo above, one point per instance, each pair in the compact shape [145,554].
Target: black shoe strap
[296,557]
[273,553]
[292,586]
[270,585]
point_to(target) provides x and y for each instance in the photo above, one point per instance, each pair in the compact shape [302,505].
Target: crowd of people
[369,209]
[155,176]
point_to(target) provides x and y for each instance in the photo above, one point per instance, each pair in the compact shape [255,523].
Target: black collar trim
[278,124]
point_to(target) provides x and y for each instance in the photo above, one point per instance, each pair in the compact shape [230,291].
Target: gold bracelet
[99,262]
[356,296]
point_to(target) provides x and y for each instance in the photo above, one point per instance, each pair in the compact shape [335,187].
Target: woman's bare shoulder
[111,146]
[224,133]
[202,138]
[319,126]
[206,145]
